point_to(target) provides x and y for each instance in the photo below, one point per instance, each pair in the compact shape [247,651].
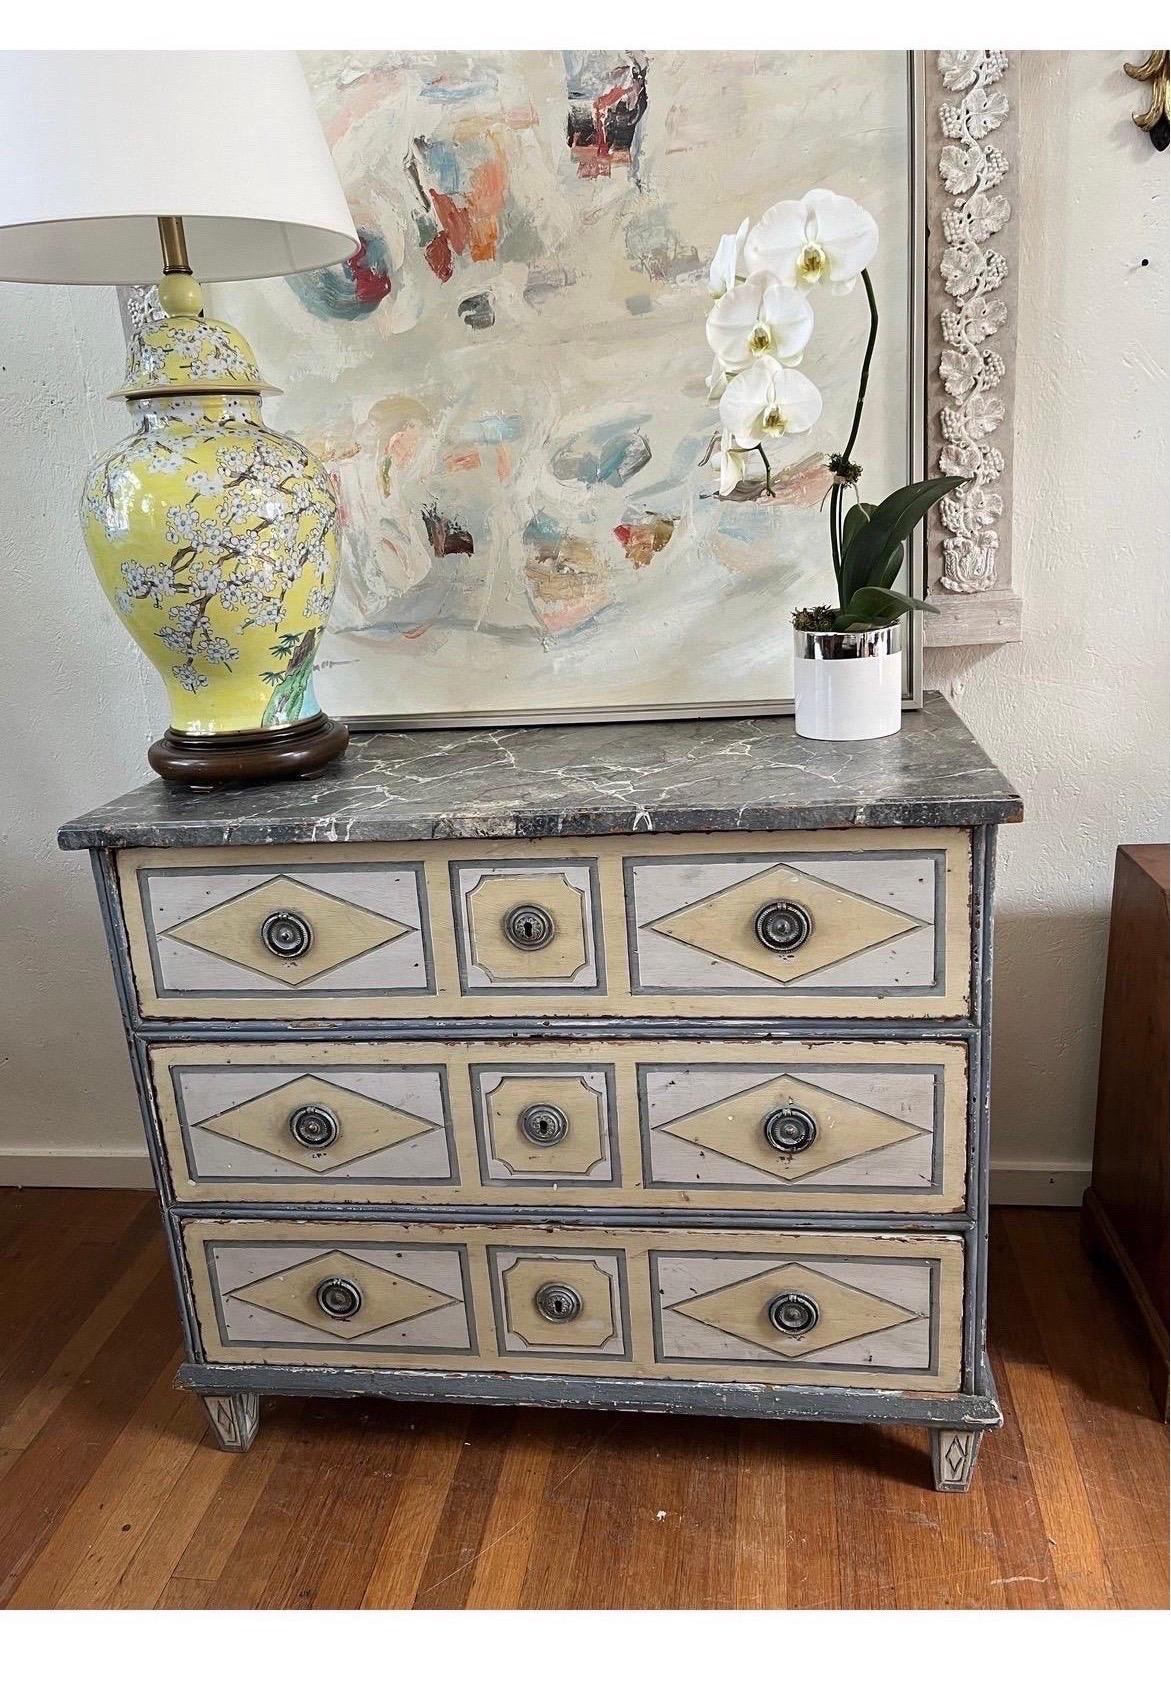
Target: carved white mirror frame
[971,296]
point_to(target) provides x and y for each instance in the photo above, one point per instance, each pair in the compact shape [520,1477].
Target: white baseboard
[1039,1182]
[1015,1182]
[95,1167]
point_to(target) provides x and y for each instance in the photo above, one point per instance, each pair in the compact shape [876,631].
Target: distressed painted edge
[1040,1182]
[712,1399]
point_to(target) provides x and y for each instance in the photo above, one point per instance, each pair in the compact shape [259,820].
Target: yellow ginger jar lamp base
[216,541]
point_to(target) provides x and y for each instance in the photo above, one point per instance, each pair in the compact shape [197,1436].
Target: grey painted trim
[730,1028]
[801,1073]
[799,986]
[981,1151]
[308,991]
[777,1401]
[579,1217]
[109,900]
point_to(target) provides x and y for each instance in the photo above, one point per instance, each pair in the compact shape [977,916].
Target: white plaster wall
[78,703]
[1077,712]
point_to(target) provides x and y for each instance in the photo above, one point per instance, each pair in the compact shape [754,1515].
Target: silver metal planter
[848,685]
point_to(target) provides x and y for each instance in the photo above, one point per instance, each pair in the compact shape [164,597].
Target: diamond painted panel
[843,924]
[341,930]
[734,1128]
[387,1298]
[365,1125]
[844,1312]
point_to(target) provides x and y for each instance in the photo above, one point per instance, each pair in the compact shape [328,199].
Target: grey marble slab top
[566,781]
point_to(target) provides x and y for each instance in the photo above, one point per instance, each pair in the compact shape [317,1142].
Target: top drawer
[809,925]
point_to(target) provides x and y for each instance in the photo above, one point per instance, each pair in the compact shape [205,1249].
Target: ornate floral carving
[973,273]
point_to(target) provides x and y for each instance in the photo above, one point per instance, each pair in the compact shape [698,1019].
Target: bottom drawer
[837,1310]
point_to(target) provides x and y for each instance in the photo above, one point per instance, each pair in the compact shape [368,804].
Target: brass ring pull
[783,926]
[286,934]
[338,1297]
[314,1126]
[793,1314]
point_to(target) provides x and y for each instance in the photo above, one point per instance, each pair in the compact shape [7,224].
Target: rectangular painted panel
[849,924]
[843,1310]
[744,1126]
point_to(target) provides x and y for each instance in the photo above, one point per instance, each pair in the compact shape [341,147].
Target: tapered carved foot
[234,1419]
[953,1457]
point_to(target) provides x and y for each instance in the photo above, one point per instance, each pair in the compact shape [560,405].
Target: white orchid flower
[824,237]
[728,263]
[732,466]
[759,318]
[767,402]
[717,381]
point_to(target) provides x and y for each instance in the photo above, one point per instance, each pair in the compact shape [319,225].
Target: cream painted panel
[877,949]
[484,894]
[673,1303]
[653,1124]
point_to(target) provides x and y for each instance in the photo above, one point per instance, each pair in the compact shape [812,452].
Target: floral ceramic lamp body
[215,539]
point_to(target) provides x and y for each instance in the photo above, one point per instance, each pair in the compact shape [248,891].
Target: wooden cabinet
[1125,1206]
[674,1099]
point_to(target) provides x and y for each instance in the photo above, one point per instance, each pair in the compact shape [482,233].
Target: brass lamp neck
[173,241]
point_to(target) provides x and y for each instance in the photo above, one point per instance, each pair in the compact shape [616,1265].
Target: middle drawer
[768,1126]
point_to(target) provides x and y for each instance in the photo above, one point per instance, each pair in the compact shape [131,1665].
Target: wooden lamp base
[279,752]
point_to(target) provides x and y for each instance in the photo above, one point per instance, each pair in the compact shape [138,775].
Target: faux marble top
[562,781]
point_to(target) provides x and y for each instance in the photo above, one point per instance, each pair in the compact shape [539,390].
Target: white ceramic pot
[849,685]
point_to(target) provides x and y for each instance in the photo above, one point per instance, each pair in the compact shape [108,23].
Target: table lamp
[215,539]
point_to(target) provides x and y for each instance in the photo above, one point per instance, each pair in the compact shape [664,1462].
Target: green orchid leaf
[897,516]
[857,518]
[879,606]
[890,568]
[890,523]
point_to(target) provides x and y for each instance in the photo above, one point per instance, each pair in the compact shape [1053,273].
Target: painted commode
[640,1066]
[215,539]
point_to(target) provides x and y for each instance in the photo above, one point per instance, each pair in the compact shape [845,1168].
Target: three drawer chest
[633,1066]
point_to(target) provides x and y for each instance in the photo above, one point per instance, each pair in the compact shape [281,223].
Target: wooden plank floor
[111,1495]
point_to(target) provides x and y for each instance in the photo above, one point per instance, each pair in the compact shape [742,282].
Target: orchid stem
[835,497]
[864,381]
[768,473]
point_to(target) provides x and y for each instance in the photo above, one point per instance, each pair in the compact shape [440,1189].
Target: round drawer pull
[543,1125]
[790,1129]
[286,935]
[528,926]
[557,1303]
[314,1126]
[793,1314]
[339,1297]
[783,927]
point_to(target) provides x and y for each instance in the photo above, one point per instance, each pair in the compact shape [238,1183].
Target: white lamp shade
[98,145]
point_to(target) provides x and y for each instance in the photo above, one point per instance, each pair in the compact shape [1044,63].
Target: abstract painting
[508,381]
